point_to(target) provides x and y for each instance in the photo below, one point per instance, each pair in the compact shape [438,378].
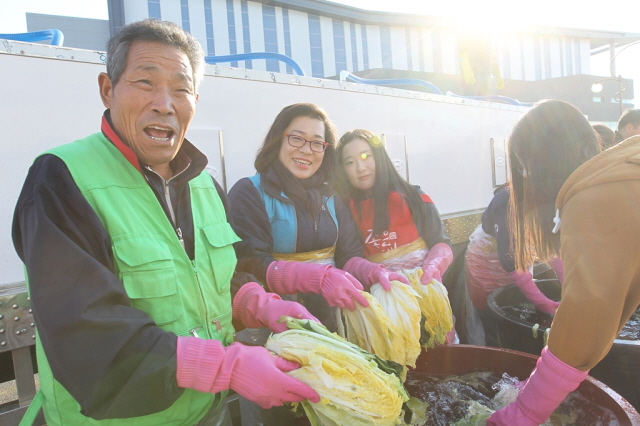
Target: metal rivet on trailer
[1,330]
[19,332]
[3,343]
[28,299]
[30,311]
[1,316]
[32,324]
[16,318]
[33,336]
[15,306]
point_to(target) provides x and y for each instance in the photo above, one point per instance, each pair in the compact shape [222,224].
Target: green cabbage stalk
[356,388]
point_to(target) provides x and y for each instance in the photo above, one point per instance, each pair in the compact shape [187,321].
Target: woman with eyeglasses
[298,239]
[297,236]
[574,201]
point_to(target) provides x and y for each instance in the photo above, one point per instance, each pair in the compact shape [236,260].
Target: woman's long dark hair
[549,142]
[270,148]
[387,180]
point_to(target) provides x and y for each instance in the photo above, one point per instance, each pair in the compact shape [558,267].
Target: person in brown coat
[568,200]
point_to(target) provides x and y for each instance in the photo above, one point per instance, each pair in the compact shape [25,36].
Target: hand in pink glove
[558,267]
[548,386]
[436,263]
[257,308]
[252,371]
[370,273]
[525,283]
[336,286]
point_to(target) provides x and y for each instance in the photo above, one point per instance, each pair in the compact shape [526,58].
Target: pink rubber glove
[256,308]
[336,286]
[369,273]
[550,382]
[252,371]
[436,263]
[525,283]
[452,337]
[558,267]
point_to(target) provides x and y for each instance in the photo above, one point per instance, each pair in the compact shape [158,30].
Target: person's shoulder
[244,191]
[328,190]
[423,195]
[501,197]
[49,175]
[496,210]
[48,168]
[219,188]
[338,200]
[241,185]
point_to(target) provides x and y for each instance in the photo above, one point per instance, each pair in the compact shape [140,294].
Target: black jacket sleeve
[494,223]
[251,223]
[239,278]
[348,244]
[110,357]
[225,201]
[430,226]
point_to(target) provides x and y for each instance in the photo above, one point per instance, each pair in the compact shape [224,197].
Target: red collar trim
[124,149]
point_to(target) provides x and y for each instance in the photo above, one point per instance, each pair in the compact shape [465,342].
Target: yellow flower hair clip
[375,141]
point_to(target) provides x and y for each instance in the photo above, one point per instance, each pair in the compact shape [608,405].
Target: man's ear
[629,128]
[106,89]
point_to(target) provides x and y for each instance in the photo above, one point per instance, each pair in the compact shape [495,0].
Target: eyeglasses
[298,142]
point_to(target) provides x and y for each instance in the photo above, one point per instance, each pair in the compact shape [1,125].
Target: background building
[83,33]
[326,38]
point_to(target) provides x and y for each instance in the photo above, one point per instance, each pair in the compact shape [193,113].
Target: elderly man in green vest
[129,258]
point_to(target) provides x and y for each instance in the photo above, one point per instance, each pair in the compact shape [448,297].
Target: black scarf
[305,193]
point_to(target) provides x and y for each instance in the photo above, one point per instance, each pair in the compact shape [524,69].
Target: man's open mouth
[157,133]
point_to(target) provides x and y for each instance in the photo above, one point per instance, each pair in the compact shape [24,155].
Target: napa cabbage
[389,327]
[402,307]
[435,307]
[356,388]
[371,329]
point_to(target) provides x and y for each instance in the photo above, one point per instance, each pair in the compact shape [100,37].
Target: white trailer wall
[49,100]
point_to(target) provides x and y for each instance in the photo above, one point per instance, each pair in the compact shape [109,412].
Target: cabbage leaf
[356,388]
[401,306]
[436,309]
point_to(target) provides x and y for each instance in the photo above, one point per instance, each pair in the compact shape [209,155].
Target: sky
[621,15]
[565,13]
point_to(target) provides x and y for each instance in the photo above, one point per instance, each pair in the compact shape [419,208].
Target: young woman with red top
[399,225]
[393,216]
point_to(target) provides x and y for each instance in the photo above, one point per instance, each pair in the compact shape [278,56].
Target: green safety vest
[182,296]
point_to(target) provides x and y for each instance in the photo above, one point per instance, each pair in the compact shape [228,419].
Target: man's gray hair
[153,30]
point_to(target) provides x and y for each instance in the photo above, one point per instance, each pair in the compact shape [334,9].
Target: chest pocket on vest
[222,257]
[148,272]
